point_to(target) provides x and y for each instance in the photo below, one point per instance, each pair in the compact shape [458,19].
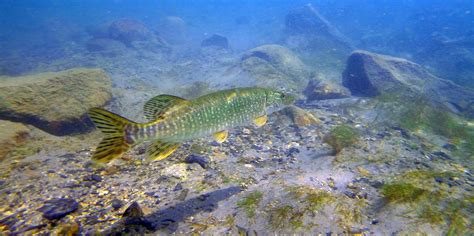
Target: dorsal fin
[159,105]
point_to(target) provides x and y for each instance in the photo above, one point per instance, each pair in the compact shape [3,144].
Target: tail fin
[114,144]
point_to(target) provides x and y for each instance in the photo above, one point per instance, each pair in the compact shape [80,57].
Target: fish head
[277,100]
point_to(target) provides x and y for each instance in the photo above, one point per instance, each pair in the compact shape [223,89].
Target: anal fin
[160,150]
[221,136]
[261,120]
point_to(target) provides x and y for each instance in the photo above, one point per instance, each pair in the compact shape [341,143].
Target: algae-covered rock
[275,66]
[12,135]
[370,74]
[320,89]
[340,137]
[105,46]
[299,116]
[55,102]
[128,30]
[216,40]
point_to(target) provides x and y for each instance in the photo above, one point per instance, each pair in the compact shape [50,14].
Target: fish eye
[282,95]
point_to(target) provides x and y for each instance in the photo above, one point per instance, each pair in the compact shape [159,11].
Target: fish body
[174,120]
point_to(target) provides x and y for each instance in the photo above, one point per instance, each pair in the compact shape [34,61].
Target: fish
[174,120]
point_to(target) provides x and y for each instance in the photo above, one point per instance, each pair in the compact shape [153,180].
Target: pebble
[349,194]
[178,187]
[450,147]
[58,208]
[201,160]
[375,221]
[116,204]
[441,155]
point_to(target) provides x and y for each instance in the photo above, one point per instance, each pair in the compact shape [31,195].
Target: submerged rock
[58,208]
[215,40]
[299,116]
[315,39]
[320,89]
[178,171]
[370,74]
[12,135]
[55,102]
[273,66]
[105,46]
[128,30]
[173,30]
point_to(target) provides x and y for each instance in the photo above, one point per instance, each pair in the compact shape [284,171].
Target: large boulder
[275,66]
[215,40]
[129,30]
[12,135]
[172,29]
[105,46]
[320,88]
[369,74]
[319,42]
[55,102]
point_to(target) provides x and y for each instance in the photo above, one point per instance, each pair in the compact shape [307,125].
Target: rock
[320,89]
[55,102]
[128,30]
[58,208]
[215,40]
[273,66]
[202,161]
[316,39]
[12,135]
[299,116]
[116,204]
[173,30]
[176,170]
[106,46]
[369,74]
[134,210]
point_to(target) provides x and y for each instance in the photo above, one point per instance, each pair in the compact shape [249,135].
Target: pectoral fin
[160,150]
[221,136]
[261,120]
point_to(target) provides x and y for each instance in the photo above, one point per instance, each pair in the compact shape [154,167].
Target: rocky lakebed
[374,144]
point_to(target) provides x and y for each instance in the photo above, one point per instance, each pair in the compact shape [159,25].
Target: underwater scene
[236,117]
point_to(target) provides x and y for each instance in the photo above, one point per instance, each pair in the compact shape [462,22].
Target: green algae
[402,192]
[250,202]
[285,216]
[340,137]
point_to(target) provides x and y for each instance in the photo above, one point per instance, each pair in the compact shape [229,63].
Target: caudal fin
[114,144]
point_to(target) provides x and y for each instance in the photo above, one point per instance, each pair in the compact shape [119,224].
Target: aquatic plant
[340,137]
[250,202]
[284,216]
[350,212]
[402,192]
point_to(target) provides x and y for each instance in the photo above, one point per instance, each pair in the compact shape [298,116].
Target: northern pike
[174,120]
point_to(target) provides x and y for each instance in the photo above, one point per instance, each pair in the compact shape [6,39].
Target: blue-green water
[380,139]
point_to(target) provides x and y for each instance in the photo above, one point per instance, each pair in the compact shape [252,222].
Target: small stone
[439,180]
[178,187]
[292,151]
[201,160]
[450,147]
[116,204]
[441,155]
[374,221]
[177,171]
[350,194]
[58,208]
[364,172]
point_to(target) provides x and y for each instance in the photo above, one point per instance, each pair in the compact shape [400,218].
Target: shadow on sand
[169,218]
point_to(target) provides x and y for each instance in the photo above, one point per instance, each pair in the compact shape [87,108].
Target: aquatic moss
[250,202]
[417,113]
[285,216]
[340,137]
[402,192]
[350,212]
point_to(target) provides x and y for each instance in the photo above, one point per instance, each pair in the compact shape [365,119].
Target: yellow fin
[113,126]
[157,106]
[221,136]
[261,120]
[231,96]
[160,150]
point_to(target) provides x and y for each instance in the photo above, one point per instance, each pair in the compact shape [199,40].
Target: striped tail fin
[114,144]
